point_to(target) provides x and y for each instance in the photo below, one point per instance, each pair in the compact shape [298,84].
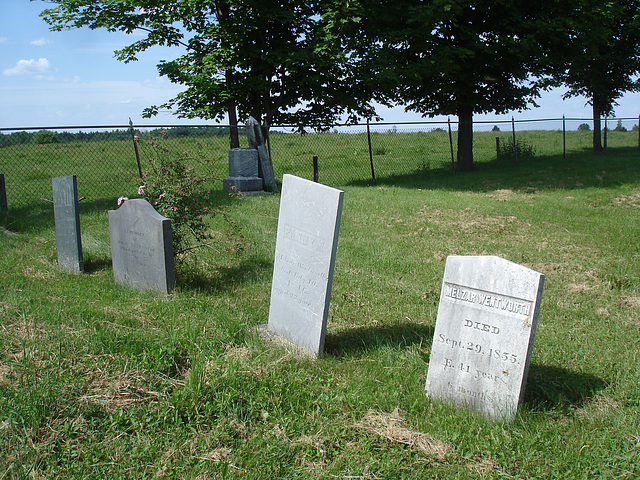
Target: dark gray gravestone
[306,242]
[243,171]
[484,334]
[256,140]
[3,193]
[67,220]
[141,247]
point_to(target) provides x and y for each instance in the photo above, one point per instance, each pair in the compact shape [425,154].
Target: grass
[99,381]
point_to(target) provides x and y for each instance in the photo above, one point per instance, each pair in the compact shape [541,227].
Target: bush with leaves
[522,149]
[178,193]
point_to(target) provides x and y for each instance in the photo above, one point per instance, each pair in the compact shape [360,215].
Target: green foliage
[584,127]
[522,150]
[495,128]
[178,193]
[43,137]
[620,127]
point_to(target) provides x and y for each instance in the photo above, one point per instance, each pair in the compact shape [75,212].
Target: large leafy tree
[606,59]
[270,59]
[457,57]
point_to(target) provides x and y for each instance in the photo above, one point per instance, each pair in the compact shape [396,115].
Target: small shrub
[584,127]
[524,150]
[620,127]
[495,128]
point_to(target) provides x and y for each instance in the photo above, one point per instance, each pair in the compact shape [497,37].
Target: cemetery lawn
[101,381]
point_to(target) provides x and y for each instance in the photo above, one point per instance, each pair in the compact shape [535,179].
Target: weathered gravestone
[306,242]
[265,168]
[484,334]
[67,221]
[141,247]
[243,171]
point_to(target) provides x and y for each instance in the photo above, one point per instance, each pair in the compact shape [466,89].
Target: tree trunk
[234,141]
[597,132]
[465,139]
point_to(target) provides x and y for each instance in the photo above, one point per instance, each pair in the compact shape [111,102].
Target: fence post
[315,169]
[3,193]
[605,133]
[497,149]
[373,173]
[135,146]
[453,162]
[564,139]
[515,147]
[638,132]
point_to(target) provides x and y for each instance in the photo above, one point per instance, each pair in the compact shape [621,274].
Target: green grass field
[99,381]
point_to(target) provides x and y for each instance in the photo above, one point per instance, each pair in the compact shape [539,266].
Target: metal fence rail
[105,158]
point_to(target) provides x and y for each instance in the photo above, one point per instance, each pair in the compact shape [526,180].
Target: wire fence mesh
[108,160]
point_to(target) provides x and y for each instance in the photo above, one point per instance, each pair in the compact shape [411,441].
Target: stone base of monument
[244,185]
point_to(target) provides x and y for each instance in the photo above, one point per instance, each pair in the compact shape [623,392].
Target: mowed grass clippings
[100,381]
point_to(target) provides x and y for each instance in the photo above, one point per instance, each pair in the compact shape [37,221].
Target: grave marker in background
[484,334]
[67,221]
[256,140]
[141,247]
[306,242]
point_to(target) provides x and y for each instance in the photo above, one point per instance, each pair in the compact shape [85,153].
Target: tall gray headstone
[67,221]
[256,140]
[3,193]
[306,242]
[141,247]
[484,334]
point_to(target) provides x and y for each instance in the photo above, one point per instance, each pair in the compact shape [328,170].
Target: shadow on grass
[224,279]
[578,170]
[363,339]
[557,388]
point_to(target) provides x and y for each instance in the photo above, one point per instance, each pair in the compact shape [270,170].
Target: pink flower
[141,190]
[161,195]
[121,200]
[136,138]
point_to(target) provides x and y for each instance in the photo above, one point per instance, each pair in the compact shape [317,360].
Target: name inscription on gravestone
[141,247]
[306,243]
[67,222]
[484,334]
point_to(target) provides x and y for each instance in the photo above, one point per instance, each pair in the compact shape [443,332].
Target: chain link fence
[108,160]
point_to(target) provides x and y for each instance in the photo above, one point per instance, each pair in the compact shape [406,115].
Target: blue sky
[71,78]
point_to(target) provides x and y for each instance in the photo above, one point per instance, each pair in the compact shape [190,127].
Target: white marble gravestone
[484,334]
[306,242]
[141,247]
[67,220]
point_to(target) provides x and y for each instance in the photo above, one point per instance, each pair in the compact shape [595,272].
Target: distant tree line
[41,137]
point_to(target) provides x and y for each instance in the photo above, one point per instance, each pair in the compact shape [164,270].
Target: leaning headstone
[484,334]
[256,140]
[306,242]
[67,221]
[141,247]
[3,193]
[243,171]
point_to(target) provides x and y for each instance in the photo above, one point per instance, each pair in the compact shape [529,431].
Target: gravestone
[3,193]
[256,140]
[141,247]
[67,221]
[243,171]
[306,242]
[484,334]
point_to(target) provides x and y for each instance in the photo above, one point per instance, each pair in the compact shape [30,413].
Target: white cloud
[4,40]
[41,42]
[29,67]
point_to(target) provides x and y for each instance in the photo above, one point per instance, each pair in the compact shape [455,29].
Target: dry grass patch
[632,201]
[391,426]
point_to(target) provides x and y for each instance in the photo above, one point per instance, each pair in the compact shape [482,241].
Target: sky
[71,78]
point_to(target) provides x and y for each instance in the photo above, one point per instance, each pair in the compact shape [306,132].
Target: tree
[606,58]
[459,57]
[266,58]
